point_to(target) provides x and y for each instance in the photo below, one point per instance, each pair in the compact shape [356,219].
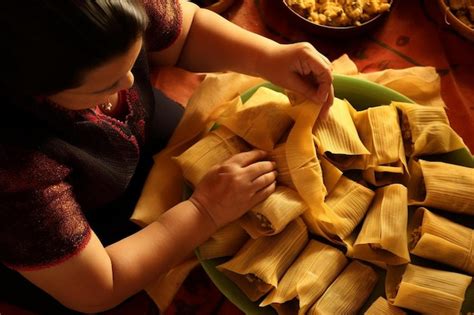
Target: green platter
[361,94]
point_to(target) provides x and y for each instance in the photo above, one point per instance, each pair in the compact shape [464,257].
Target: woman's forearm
[215,44]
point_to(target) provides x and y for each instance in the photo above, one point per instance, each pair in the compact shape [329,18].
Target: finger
[263,193]
[323,114]
[259,168]
[246,158]
[264,180]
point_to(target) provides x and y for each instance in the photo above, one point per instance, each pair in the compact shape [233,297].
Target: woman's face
[101,83]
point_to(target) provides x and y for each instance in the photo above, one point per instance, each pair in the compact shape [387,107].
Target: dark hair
[48,45]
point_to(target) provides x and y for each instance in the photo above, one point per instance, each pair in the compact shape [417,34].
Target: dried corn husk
[307,279]
[305,169]
[426,290]
[382,307]
[263,120]
[278,155]
[331,174]
[273,214]
[214,148]
[261,263]
[383,236]
[348,203]
[426,130]
[337,137]
[384,175]
[442,240]
[441,185]
[225,242]
[380,132]
[354,284]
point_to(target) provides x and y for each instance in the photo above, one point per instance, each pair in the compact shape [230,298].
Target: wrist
[206,219]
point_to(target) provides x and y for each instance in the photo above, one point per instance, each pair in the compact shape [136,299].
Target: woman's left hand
[302,69]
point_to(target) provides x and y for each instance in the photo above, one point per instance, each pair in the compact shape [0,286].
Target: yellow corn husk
[442,240]
[263,120]
[441,185]
[380,132]
[214,148]
[348,203]
[382,307]
[307,279]
[261,263]
[304,167]
[278,155]
[225,242]
[348,292]
[385,175]
[337,136]
[426,290]
[426,130]
[383,236]
[331,174]
[273,214]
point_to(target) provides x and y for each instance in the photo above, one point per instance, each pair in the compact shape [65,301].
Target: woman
[80,125]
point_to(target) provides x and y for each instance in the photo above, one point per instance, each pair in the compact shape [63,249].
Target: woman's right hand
[235,186]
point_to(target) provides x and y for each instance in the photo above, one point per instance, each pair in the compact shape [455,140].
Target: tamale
[273,214]
[380,132]
[383,236]
[426,290]
[348,203]
[278,155]
[306,279]
[337,137]
[437,238]
[382,307]
[441,185]
[260,263]
[263,119]
[214,148]
[426,130]
[225,242]
[348,292]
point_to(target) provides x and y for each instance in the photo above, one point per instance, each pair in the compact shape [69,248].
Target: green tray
[361,94]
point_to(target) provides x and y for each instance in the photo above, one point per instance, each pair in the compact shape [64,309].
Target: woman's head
[54,45]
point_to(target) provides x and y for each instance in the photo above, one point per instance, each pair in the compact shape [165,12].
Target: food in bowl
[339,12]
[463,10]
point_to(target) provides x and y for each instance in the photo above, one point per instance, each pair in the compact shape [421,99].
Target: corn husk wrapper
[225,242]
[278,155]
[216,147]
[442,240]
[263,120]
[273,214]
[441,185]
[382,307]
[304,167]
[261,263]
[348,292]
[426,130]
[307,279]
[337,137]
[426,290]
[331,174]
[383,236]
[348,203]
[385,175]
[380,132]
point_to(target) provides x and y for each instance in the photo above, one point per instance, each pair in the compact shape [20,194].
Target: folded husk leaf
[382,307]
[383,236]
[439,239]
[260,263]
[225,242]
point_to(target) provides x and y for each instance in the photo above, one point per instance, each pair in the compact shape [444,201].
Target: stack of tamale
[340,215]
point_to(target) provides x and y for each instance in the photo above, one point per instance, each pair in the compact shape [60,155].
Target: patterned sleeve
[40,222]
[165,23]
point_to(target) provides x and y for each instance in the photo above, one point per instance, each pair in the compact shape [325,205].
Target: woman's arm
[99,278]
[210,43]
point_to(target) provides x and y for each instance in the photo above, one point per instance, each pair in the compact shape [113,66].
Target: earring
[106,107]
